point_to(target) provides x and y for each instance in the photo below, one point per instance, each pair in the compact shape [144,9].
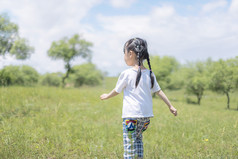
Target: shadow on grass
[233,109]
[190,101]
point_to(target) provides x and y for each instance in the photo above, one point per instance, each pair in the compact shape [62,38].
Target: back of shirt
[137,101]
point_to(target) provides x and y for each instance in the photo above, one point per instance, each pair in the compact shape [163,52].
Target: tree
[196,80]
[10,42]
[86,74]
[68,49]
[223,78]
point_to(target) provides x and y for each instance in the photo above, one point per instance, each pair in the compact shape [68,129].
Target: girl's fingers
[103,96]
[174,111]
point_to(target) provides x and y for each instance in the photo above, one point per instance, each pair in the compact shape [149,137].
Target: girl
[138,83]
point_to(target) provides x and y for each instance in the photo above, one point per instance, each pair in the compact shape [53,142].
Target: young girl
[138,83]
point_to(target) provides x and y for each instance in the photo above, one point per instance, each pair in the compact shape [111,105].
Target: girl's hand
[109,95]
[104,96]
[173,111]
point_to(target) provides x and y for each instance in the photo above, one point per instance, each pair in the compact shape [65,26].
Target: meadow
[49,122]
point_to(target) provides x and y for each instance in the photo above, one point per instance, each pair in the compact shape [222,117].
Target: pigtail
[139,70]
[151,75]
[139,49]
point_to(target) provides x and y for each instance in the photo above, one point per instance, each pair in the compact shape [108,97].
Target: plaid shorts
[132,136]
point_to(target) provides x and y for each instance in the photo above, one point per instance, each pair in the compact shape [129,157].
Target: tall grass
[42,122]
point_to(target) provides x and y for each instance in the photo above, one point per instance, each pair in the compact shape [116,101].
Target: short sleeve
[121,83]
[156,87]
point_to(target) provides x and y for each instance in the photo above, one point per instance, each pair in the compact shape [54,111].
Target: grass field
[41,122]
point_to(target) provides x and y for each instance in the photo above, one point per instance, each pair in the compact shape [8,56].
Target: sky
[184,29]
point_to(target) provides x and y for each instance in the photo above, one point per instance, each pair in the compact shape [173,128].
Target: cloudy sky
[187,30]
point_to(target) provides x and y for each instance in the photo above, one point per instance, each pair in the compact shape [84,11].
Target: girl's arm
[109,95]
[166,100]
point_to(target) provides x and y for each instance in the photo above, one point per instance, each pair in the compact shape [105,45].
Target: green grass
[41,122]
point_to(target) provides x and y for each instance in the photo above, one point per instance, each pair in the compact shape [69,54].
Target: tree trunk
[199,100]
[228,100]
[199,97]
[68,67]
[63,81]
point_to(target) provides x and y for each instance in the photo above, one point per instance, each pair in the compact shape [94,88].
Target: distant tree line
[85,74]
[219,76]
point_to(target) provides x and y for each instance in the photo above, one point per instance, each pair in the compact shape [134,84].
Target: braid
[138,58]
[139,70]
[151,75]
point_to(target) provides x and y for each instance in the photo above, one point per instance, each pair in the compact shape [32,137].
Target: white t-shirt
[137,102]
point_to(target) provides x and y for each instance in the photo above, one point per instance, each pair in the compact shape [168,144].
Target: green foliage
[223,77]
[163,68]
[9,75]
[8,31]
[18,75]
[21,49]
[176,79]
[10,42]
[86,74]
[51,79]
[233,64]
[196,79]
[68,49]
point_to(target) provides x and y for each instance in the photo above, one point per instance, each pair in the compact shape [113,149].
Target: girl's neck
[136,66]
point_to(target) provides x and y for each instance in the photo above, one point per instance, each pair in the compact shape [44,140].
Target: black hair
[139,47]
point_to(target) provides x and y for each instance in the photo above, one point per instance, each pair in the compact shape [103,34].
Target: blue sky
[187,30]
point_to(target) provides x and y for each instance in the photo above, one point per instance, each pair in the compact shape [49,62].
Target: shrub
[18,75]
[86,74]
[51,79]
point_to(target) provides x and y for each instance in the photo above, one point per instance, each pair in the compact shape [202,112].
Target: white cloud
[214,5]
[234,8]
[122,3]
[168,33]
[163,12]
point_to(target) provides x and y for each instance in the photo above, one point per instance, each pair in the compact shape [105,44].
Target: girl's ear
[130,53]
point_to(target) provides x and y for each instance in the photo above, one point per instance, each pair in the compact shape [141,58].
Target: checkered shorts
[132,136]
